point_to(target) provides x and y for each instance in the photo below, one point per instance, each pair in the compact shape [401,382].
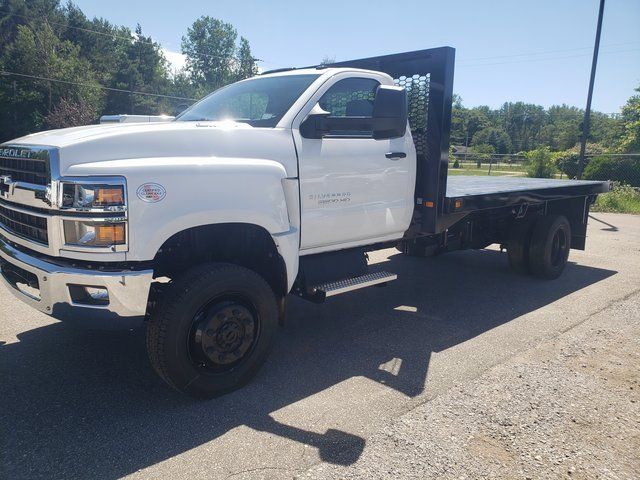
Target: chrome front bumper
[53,289]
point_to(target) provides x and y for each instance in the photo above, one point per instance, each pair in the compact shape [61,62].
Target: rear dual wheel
[541,247]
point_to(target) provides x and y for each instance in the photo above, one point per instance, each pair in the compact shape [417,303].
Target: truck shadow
[86,404]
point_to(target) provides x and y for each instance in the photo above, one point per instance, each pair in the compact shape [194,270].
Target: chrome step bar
[331,289]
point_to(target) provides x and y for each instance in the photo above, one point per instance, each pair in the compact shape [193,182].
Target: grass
[497,169]
[623,199]
[485,172]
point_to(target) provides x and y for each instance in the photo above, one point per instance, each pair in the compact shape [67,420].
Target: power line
[545,59]
[88,85]
[549,52]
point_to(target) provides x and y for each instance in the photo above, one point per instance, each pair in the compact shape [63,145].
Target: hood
[123,141]
[70,136]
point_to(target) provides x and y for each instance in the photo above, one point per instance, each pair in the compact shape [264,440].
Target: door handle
[395,155]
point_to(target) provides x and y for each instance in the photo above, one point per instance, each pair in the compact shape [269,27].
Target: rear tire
[212,329]
[550,246]
[518,246]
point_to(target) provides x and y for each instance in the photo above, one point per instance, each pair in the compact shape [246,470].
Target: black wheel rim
[559,247]
[223,334]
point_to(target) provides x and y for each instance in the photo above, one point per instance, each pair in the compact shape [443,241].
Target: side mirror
[315,125]
[390,113]
[388,120]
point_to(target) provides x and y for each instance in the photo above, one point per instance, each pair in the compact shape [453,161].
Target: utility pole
[466,144]
[587,112]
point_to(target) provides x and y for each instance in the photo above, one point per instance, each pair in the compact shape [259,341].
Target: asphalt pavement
[83,404]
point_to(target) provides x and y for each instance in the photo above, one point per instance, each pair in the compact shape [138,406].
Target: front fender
[199,191]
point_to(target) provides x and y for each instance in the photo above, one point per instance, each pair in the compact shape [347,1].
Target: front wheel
[212,330]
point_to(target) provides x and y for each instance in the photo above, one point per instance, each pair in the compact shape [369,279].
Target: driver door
[354,190]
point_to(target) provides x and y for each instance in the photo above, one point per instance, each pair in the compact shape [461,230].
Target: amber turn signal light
[110,234]
[109,196]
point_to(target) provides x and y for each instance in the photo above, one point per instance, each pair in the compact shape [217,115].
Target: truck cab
[198,228]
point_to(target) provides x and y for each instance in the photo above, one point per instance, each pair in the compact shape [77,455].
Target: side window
[351,97]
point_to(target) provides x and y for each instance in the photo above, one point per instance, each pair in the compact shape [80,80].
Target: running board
[338,287]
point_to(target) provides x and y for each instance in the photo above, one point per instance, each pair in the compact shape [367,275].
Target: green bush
[540,163]
[623,170]
[456,164]
[567,161]
[623,199]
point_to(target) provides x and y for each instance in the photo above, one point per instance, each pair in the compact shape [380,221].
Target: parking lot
[82,404]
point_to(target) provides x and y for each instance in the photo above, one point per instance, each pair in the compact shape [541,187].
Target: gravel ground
[569,408]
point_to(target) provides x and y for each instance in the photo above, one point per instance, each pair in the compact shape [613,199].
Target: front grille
[29,170]
[25,225]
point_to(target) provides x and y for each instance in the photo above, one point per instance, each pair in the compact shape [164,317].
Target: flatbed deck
[480,192]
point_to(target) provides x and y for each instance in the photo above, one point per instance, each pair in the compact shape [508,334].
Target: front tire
[212,329]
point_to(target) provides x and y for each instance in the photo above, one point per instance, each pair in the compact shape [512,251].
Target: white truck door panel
[349,190]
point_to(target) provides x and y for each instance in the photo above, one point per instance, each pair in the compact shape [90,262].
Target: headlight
[94,234]
[81,196]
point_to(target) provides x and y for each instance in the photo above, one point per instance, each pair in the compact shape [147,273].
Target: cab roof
[313,71]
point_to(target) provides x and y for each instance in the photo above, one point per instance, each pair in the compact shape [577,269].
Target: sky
[538,51]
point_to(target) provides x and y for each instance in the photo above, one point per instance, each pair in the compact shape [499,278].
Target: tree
[630,139]
[496,137]
[247,67]
[466,122]
[40,54]
[100,42]
[562,129]
[523,122]
[20,12]
[210,47]
[70,113]
[483,153]
[140,67]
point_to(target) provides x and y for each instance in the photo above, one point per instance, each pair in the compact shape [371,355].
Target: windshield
[260,102]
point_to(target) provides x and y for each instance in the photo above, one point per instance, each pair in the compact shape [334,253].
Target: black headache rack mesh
[428,77]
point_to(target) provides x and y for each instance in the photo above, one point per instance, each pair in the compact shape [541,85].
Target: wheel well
[242,244]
